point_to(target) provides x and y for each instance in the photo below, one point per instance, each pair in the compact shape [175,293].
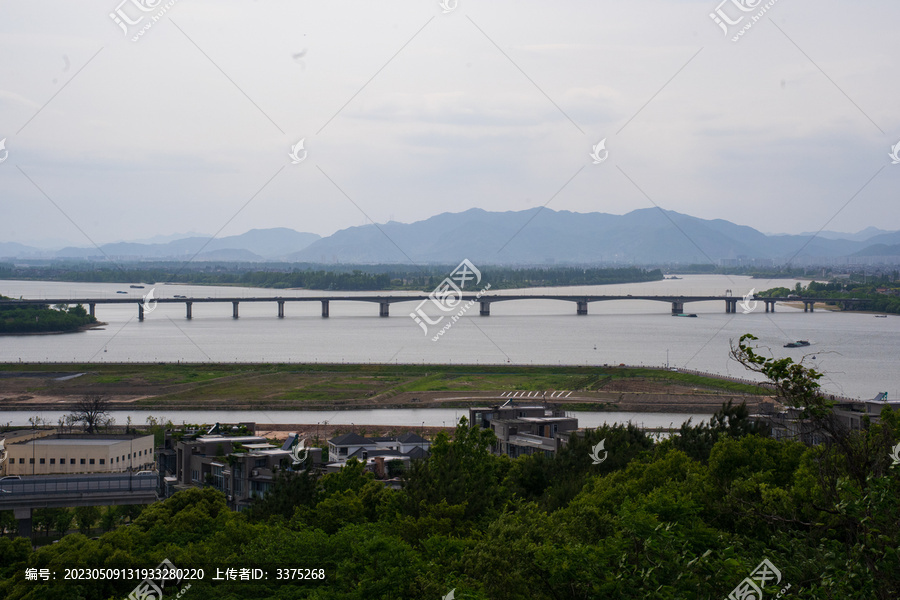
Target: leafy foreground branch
[688,517]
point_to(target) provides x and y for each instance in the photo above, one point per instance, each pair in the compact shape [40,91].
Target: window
[218,477]
[43,461]
[52,461]
[102,461]
[129,455]
[31,461]
[82,461]
[62,461]
[72,461]
[21,461]
[117,459]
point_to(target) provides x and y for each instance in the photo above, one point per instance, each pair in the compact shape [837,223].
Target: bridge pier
[324,308]
[91,307]
[234,310]
[808,306]
[187,306]
[140,312]
[23,516]
[384,309]
[281,309]
[678,308]
[582,308]
[485,309]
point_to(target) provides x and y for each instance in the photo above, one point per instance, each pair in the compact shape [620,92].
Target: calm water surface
[429,417]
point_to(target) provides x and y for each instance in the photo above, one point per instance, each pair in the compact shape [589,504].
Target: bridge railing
[74,484]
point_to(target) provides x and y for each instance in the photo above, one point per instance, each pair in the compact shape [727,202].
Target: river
[857,352]
[428,417]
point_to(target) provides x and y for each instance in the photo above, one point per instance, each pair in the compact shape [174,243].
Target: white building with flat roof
[61,454]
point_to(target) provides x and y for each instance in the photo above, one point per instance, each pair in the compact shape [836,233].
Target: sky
[411,109]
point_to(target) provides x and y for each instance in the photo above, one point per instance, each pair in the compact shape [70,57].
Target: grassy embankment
[281,386]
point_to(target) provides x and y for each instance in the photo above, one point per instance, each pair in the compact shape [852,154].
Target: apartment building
[524,430]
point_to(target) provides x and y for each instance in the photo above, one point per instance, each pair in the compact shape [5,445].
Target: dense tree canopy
[40,318]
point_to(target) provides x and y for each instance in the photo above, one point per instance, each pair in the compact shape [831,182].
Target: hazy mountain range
[534,236]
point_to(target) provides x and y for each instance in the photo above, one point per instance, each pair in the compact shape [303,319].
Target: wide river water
[857,352]
[428,417]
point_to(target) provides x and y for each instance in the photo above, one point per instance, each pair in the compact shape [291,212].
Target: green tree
[63,521]
[86,517]
[110,518]
[458,472]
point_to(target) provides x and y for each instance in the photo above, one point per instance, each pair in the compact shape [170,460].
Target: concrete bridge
[63,491]
[384,301]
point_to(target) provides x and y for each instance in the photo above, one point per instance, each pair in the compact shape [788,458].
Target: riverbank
[99,325]
[273,387]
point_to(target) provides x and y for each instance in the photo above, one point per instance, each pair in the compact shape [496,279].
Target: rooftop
[349,439]
[76,442]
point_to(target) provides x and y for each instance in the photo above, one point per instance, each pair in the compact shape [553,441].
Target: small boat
[881,316]
[685,315]
[120,292]
[136,287]
[797,344]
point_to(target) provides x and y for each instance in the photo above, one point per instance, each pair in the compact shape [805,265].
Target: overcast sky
[408,111]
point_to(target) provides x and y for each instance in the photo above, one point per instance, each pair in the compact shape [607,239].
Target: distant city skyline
[416,111]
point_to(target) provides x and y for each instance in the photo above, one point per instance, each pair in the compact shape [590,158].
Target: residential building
[403,448]
[76,453]
[850,414]
[524,430]
[240,466]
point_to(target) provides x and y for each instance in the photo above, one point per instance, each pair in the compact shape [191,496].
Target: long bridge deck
[385,300]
